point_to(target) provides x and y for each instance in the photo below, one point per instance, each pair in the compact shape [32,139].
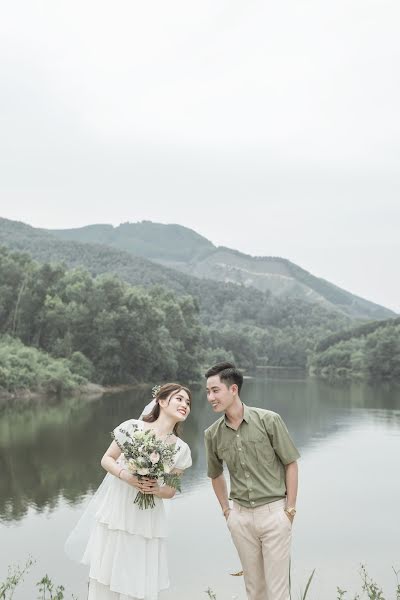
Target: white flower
[143,471]
[154,457]
[167,468]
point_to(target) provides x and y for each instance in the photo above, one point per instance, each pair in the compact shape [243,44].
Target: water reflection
[52,451]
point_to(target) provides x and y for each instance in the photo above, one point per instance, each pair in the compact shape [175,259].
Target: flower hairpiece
[155,390]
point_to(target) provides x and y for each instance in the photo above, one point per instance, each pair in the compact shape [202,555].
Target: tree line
[105,330]
[370,351]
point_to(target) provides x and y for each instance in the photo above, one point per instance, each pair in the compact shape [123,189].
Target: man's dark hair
[228,374]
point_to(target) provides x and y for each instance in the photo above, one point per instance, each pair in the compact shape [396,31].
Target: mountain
[235,322]
[184,250]
[217,300]
[252,326]
[96,258]
[174,243]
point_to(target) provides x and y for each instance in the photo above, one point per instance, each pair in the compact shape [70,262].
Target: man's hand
[290,513]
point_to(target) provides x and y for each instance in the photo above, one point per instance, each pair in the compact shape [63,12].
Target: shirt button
[252,502]
[240,449]
[250,490]
[247,474]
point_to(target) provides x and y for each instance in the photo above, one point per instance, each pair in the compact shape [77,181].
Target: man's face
[219,395]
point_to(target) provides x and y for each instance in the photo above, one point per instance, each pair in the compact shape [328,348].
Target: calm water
[349,439]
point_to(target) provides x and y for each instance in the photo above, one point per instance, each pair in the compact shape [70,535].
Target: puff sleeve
[184,457]
[119,436]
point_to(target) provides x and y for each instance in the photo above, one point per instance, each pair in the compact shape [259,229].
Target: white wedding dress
[124,546]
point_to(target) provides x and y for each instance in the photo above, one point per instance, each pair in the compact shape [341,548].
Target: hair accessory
[155,390]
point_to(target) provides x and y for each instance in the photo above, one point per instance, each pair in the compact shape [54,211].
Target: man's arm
[292,478]
[221,491]
[216,474]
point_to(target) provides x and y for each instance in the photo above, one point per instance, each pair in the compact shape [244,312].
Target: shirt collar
[246,415]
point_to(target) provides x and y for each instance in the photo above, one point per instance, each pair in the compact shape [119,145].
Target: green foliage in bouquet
[148,457]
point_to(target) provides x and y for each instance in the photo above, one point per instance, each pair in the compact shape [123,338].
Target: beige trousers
[262,537]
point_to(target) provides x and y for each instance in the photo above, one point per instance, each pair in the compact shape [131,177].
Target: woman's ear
[163,402]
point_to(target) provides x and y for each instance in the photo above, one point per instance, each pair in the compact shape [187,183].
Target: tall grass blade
[304,596]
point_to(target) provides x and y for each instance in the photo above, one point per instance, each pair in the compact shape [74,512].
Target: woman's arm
[109,460]
[109,464]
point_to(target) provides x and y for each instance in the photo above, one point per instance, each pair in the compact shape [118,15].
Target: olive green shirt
[255,454]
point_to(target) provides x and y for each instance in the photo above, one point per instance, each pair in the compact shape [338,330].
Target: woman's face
[177,405]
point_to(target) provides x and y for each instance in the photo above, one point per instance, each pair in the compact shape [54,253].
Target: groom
[261,459]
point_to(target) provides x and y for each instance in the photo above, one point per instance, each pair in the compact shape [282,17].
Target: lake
[349,439]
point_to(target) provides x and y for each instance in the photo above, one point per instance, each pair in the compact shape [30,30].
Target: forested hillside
[253,325]
[108,331]
[62,326]
[123,334]
[187,251]
[370,351]
[107,316]
[174,243]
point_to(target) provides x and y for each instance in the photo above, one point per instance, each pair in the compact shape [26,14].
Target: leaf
[308,585]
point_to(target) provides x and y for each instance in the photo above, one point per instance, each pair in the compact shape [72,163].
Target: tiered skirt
[126,549]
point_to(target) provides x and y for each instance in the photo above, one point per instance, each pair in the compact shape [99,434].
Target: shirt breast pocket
[262,448]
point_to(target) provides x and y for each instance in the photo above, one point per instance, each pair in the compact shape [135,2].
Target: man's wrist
[290,510]
[225,510]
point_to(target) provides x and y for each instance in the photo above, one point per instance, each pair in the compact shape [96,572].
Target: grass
[47,590]
[369,589]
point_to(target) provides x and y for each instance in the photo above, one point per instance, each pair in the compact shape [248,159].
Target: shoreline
[89,390]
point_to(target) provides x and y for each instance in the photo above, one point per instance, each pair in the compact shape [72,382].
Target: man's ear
[234,388]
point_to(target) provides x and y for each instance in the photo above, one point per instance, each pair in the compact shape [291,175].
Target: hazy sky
[270,127]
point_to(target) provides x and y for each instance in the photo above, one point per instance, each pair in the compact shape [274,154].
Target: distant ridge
[184,250]
[222,305]
[147,239]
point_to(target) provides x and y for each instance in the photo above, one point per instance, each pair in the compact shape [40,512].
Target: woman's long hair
[164,392]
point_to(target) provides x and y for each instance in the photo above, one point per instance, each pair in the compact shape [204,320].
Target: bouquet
[147,456]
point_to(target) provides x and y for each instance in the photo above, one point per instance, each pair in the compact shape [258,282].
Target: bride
[125,546]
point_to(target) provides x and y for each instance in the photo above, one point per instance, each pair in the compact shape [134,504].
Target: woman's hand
[150,486]
[140,484]
[147,485]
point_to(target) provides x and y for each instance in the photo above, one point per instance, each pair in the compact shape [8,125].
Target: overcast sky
[269,127]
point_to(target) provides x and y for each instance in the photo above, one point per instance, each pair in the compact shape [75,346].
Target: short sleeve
[183,458]
[214,463]
[281,441]
[119,436]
